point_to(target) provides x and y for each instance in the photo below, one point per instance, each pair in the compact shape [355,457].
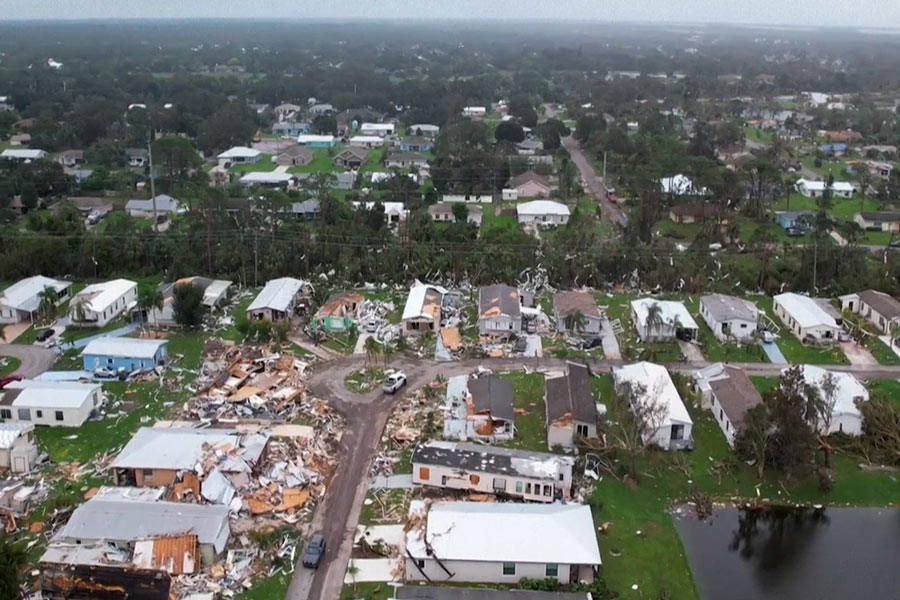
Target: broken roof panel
[277,295]
[493,394]
[491,459]
[176,449]
[496,300]
[571,394]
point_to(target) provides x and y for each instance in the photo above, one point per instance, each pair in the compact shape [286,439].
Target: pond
[787,553]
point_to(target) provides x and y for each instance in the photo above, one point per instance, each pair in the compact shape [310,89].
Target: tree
[521,108]
[793,417]
[187,305]
[642,419]
[281,330]
[12,560]
[655,321]
[388,352]
[550,132]
[49,297]
[881,430]
[149,299]
[822,404]
[568,177]
[371,346]
[460,212]
[575,321]
[176,155]
[752,441]
[324,125]
[509,131]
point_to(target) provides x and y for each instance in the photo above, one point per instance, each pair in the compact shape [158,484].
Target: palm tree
[575,321]
[655,320]
[49,297]
[148,299]
[388,352]
[371,347]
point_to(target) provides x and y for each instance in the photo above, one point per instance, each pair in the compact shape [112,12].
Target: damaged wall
[103,583]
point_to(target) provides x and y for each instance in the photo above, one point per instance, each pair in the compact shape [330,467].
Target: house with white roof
[808,318]
[99,303]
[164,205]
[130,354]
[425,130]
[269,179]
[542,212]
[474,111]
[316,141]
[422,311]
[669,425]
[23,154]
[239,155]
[366,141]
[279,300]
[21,301]
[681,185]
[729,317]
[848,390]
[18,451]
[52,403]
[673,322]
[815,189]
[215,294]
[377,129]
[394,212]
[500,542]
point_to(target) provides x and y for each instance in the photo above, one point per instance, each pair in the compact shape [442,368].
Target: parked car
[767,336]
[394,382]
[894,244]
[591,343]
[7,379]
[45,334]
[521,345]
[613,198]
[314,552]
[795,232]
[95,217]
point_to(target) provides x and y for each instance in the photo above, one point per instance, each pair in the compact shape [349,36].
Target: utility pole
[604,167]
[152,186]
[815,260]
[255,261]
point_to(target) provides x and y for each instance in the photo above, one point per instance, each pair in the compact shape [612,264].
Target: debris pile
[416,416]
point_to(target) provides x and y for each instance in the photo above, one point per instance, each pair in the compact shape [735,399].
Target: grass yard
[882,353]
[878,238]
[716,351]
[76,333]
[345,343]
[618,307]
[794,351]
[764,384]
[759,135]
[8,364]
[365,591]
[364,380]
[490,221]
[531,428]
[265,164]
[322,163]
[384,502]
[275,586]
[843,209]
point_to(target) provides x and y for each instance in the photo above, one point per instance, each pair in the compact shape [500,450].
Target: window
[551,570]
[561,476]
[509,568]
[424,473]
[548,491]
[24,414]
[527,488]
[148,473]
[519,487]
[499,484]
[720,414]
[5,413]
[59,415]
[420,562]
[677,432]
[40,414]
[727,425]
[581,430]
[474,479]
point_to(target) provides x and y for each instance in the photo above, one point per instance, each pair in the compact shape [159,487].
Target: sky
[843,13]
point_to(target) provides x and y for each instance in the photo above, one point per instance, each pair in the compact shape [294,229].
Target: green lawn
[8,364]
[265,164]
[882,353]
[275,586]
[759,135]
[841,208]
[365,591]
[531,427]
[491,221]
[794,351]
[632,348]
[878,238]
[345,343]
[322,163]
[76,333]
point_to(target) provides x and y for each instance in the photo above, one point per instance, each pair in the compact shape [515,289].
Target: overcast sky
[844,13]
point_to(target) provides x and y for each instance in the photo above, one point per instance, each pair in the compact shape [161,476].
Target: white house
[815,189]
[18,451]
[279,300]
[23,155]
[425,129]
[845,416]
[271,179]
[669,424]
[394,212]
[502,542]
[53,403]
[165,205]
[99,303]
[883,220]
[681,185]
[474,111]
[366,141]
[806,317]
[542,212]
[509,194]
[500,310]
[469,198]
[879,308]
[377,129]
[239,155]
[422,311]
[728,394]
[21,300]
[728,317]
[675,320]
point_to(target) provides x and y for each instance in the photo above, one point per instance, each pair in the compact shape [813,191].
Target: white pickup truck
[394,382]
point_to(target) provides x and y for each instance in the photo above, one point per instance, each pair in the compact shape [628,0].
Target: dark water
[774,554]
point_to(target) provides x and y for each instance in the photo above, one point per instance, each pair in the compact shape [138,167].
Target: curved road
[35,359]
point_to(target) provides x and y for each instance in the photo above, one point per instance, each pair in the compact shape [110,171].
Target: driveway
[691,351]
[774,353]
[857,355]
[13,330]
[534,346]
[35,359]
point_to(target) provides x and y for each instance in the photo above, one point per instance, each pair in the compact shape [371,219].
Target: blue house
[131,354]
[316,141]
[792,218]
[290,128]
[833,148]
[416,144]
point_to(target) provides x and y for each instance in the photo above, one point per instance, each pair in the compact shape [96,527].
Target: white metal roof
[367,139]
[23,153]
[214,291]
[659,388]
[52,394]
[416,299]
[506,532]
[307,138]
[25,294]
[10,432]
[542,207]
[848,388]
[725,308]
[164,204]
[377,126]
[100,296]
[266,177]
[160,448]
[805,310]
[277,294]
[680,185]
[390,208]
[423,127]
[240,152]
[819,186]
[123,347]
[671,312]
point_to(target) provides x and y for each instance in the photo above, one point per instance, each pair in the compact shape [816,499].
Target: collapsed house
[485,542]
[215,294]
[422,312]
[536,476]
[280,300]
[339,312]
[570,408]
[479,408]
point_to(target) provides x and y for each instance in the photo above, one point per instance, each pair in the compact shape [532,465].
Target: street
[35,359]
[595,184]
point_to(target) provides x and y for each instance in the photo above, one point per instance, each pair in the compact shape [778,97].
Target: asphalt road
[35,359]
[595,184]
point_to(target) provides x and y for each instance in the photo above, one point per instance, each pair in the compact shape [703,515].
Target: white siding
[480,572]
[523,487]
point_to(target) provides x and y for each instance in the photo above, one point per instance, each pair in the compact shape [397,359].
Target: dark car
[894,244]
[795,232]
[314,552]
[521,345]
[45,335]
[591,343]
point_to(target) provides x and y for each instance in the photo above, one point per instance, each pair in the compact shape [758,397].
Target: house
[321,109]
[879,168]
[835,149]
[290,128]
[815,189]
[479,409]
[578,309]
[22,155]
[184,459]
[808,318]
[394,212]
[402,160]
[71,159]
[215,293]
[882,310]
[366,141]
[345,180]
[475,112]
[121,517]
[99,303]
[219,177]
[529,147]
[285,110]
[416,144]
[694,213]
[880,221]
[351,158]
[509,194]
[426,592]
[728,393]
[308,210]
[18,450]
[788,219]
[130,354]
[339,312]
[19,139]
[377,129]
[843,391]
[468,198]
[6,104]
[425,130]
[729,318]
[653,394]
[164,205]
[51,403]
[530,185]
[545,213]
[22,300]
[442,212]
[499,309]
[317,141]
[673,322]
[422,311]
[280,300]
[99,570]
[295,156]
[86,204]
[445,541]
[845,137]
[239,155]
[268,179]
[477,468]
[137,157]
[570,408]
[681,185]
[350,119]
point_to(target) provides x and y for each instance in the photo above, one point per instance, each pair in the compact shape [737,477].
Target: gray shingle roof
[493,394]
